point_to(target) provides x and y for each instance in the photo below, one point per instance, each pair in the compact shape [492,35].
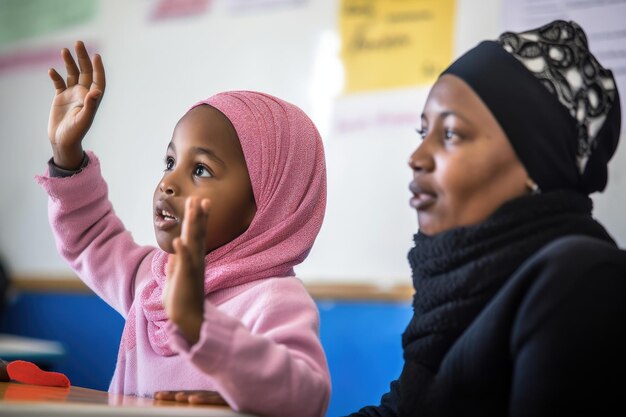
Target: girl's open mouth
[164,218]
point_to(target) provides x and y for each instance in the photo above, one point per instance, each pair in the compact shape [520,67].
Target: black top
[551,340]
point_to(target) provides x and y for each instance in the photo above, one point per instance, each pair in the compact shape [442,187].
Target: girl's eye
[169,163]
[202,171]
[422,132]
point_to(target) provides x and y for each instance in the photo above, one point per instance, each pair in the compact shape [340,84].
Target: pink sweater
[259,344]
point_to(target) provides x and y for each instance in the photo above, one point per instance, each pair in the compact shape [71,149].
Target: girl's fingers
[70,67]
[99,78]
[192,397]
[57,80]
[181,260]
[182,396]
[206,397]
[200,229]
[89,73]
[194,224]
[179,248]
[165,395]
[194,227]
[198,226]
[171,262]
[91,101]
[84,62]
[186,256]
[204,207]
[188,219]
[90,106]
[205,204]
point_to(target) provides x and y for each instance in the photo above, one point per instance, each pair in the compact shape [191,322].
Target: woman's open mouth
[422,200]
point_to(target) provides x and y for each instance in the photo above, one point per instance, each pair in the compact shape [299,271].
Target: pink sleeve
[91,238]
[277,367]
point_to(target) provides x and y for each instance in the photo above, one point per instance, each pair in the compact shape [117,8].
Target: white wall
[155,71]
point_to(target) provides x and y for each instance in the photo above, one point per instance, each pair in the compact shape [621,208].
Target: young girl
[218,307]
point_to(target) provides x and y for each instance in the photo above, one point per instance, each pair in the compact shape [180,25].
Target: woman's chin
[427,231]
[430,227]
[426,224]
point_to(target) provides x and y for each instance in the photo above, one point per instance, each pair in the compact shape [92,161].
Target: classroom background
[360,68]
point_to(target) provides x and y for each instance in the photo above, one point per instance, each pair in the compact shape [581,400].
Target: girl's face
[204,159]
[465,167]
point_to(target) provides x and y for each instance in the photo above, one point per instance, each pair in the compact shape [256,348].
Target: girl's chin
[165,245]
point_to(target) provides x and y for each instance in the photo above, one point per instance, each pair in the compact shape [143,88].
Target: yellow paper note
[395,43]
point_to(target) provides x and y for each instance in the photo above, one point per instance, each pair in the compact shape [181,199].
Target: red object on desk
[29,373]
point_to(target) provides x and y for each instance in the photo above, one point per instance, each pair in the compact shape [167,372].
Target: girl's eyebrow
[201,151]
[209,153]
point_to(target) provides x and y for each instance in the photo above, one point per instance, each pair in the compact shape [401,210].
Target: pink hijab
[285,160]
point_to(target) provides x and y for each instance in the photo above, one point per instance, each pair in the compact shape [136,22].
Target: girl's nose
[167,186]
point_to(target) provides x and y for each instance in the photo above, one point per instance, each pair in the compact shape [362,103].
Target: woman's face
[465,167]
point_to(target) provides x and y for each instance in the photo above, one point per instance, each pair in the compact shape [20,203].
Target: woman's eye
[422,132]
[201,171]
[169,163]
[450,134]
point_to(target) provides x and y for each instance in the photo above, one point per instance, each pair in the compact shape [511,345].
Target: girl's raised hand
[74,105]
[183,298]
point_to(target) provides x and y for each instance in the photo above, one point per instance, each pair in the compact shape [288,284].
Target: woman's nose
[421,159]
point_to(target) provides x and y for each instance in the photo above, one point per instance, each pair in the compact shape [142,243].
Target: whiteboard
[157,69]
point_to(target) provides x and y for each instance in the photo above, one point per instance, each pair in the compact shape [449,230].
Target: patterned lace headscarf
[558,106]
[558,55]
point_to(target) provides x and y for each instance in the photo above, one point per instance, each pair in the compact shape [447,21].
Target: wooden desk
[21,400]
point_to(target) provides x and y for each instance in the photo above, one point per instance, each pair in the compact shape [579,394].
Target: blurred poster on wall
[176,9]
[394,43]
[20,19]
[26,26]
[602,20]
[252,6]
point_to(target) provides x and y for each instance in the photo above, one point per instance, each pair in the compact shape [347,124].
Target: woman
[520,295]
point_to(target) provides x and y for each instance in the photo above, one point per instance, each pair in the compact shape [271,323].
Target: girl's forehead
[206,124]
[207,133]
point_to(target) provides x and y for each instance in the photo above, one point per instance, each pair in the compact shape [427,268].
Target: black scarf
[456,272]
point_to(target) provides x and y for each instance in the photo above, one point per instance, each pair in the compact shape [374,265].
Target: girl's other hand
[191,397]
[183,298]
[75,104]
[4,376]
